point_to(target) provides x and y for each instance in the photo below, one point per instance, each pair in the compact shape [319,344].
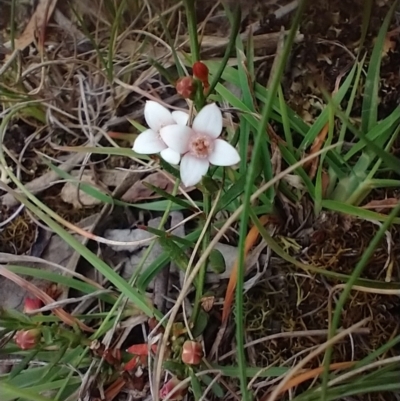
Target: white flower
[200,145]
[149,141]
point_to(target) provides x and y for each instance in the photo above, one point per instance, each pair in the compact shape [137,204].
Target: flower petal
[223,154]
[180,117]
[177,137]
[193,169]
[170,156]
[209,121]
[148,142]
[157,116]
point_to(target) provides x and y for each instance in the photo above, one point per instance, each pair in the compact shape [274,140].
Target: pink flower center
[201,146]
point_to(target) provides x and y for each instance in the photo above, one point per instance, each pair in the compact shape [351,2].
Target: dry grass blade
[46,299]
[316,146]
[314,373]
[251,239]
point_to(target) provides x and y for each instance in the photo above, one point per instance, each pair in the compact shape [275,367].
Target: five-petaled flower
[149,141]
[198,145]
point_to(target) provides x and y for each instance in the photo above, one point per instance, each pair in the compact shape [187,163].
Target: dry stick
[361,369]
[204,256]
[280,387]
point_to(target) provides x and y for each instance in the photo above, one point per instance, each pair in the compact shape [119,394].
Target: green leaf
[196,385]
[184,204]
[217,261]
[200,324]
[369,112]
[60,279]
[216,388]
[167,236]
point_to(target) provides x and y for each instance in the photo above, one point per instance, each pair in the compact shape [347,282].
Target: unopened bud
[185,87]
[27,339]
[200,71]
[192,353]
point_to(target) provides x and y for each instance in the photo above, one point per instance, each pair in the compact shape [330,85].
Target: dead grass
[83,98]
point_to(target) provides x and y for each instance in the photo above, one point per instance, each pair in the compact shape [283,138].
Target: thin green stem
[12,24]
[228,50]
[203,269]
[192,29]
[113,39]
[251,174]
[71,373]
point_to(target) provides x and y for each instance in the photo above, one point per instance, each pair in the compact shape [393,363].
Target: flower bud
[185,87]
[169,386]
[32,304]
[200,71]
[27,339]
[192,353]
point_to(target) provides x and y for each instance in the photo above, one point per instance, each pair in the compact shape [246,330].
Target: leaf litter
[283,300]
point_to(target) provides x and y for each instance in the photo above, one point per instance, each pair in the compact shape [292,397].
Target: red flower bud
[192,353]
[32,304]
[200,71]
[185,87]
[169,386]
[27,339]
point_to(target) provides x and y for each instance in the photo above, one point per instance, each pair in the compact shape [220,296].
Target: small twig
[63,302]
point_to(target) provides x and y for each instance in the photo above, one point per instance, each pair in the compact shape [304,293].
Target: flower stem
[203,270]
[192,29]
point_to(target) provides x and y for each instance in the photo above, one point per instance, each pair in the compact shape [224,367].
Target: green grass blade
[367,254]
[369,113]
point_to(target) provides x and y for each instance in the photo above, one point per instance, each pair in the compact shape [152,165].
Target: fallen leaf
[324,182]
[382,205]
[69,193]
[207,303]
[114,389]
[389,44]
[39,19]
[139,192]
